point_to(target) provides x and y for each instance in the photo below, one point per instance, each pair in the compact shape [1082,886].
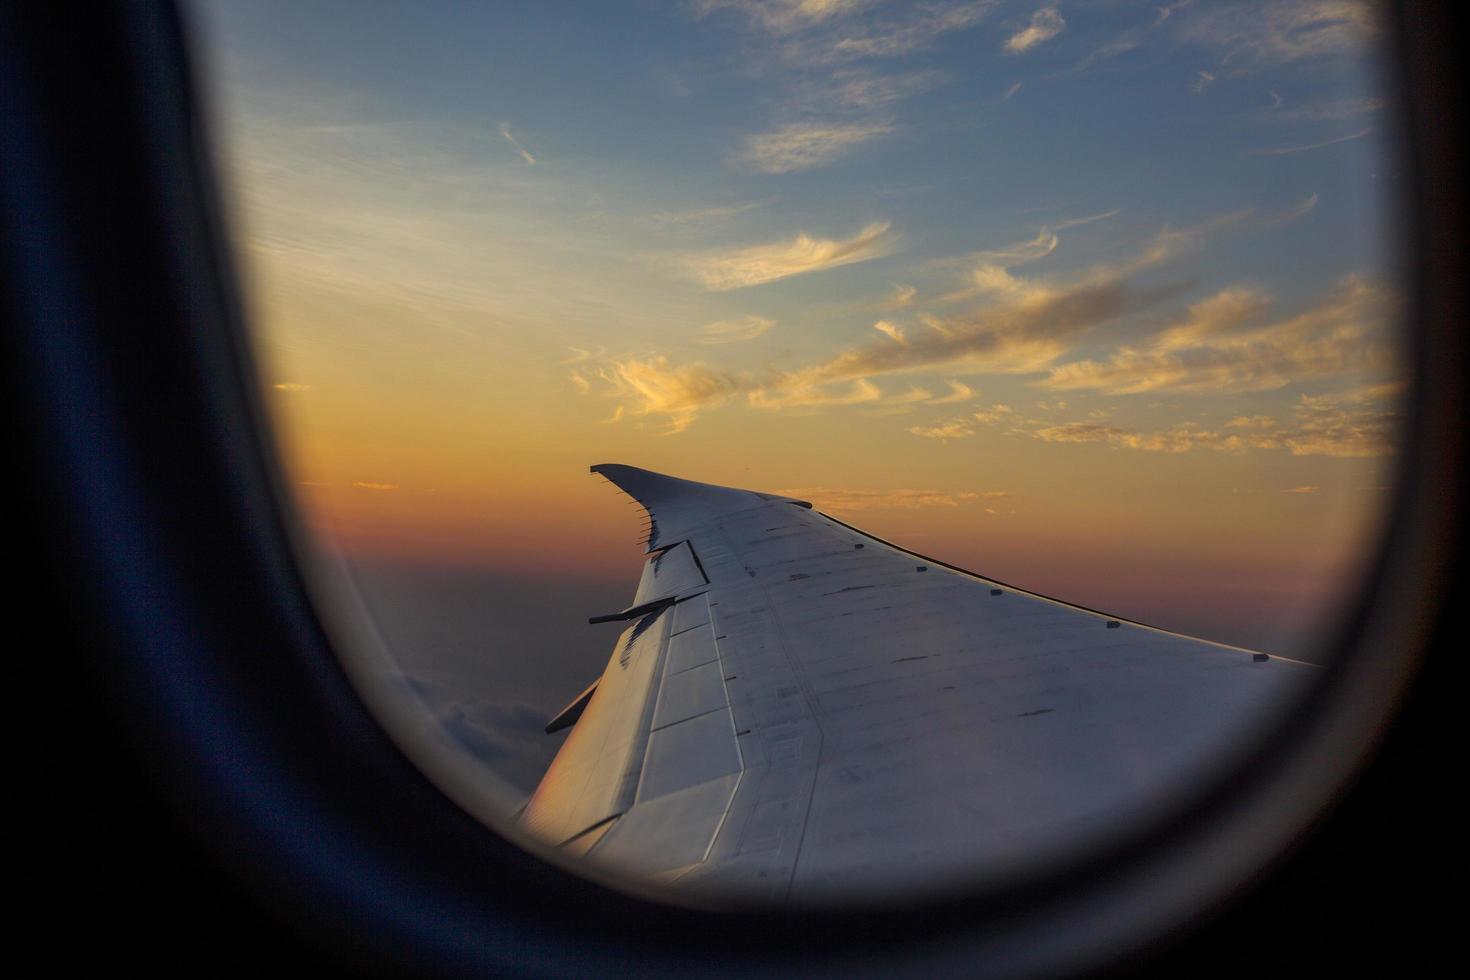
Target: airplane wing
[800,712]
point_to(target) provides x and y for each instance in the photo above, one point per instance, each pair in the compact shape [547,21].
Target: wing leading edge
[801,712]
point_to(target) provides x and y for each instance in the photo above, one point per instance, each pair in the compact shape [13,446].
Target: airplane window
[1091,313]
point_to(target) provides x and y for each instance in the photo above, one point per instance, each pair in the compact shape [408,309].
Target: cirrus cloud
[754,265]
[1046,24]
[735,331]
[1216,350]
[806,145]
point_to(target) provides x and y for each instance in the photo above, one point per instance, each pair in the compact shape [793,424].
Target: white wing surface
[800,712]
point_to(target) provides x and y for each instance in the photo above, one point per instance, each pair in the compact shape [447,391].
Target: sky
[1097,298]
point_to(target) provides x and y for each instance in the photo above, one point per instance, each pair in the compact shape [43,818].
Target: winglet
[675,505]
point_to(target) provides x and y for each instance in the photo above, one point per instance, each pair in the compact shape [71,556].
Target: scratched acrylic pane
[1097,301]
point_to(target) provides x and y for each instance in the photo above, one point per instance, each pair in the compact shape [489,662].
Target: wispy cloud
[735,331]
[756,264]
[890,330]
[865,89]
[958,392]
[698,215]
[291,386]
[953,429]
[902,404]
[797,395]
[1356,423]
[1046,24]
[382,487]
[1324,111]
[1202,81]
[1027,327]
[1012,90]
[1277,151]
[994,415]
[675,392]
[784,16]
[1130,39]
[1305,489]
[842,501]
[991,269]
[581,355]
[1251,36]
[902,295]
[806,145]
[923,25]
[510,138]
[1021,330]
[1214,350]
[818,33]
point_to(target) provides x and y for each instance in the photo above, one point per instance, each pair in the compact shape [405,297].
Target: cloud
[1024,328]
[837,500]
[903,404]
[994,414]
[1130,39]
[794,394]
[901,296]
[990,271]
[958,392]
[953,429]
[525,153]
[1308,489]
[806,145]
[814,33]
[291,386]
[1215,350]
[581,355]
[900,37]
[365,485]
[1353,423]
[1325,111]
[756,264]
[1020,253]
[735,331]
[1277,151]
[1012,90]
[699,215]
[860,88]
[677,392]
[784,16]
[913,396]
[1203,81]
[1254,36]
[1029,326]
[1179,438]
[1046,24]
[890,330]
